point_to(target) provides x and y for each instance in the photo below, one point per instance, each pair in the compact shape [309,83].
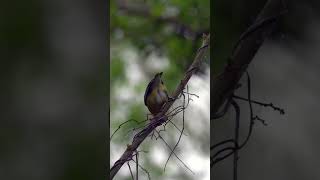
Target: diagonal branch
[223,85]
[161,117]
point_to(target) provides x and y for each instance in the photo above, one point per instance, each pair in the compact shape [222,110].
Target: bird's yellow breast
[157,98]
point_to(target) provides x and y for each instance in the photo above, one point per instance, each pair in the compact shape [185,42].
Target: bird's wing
[148,91]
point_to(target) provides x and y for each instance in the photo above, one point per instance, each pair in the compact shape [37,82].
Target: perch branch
[224,84]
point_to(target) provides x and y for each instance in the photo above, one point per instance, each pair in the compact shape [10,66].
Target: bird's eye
[161,82]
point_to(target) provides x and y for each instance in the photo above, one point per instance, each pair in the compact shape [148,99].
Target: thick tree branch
[224,85]
[161,117]
[250,41]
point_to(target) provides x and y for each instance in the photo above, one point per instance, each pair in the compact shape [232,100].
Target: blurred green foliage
[139,24]
[164,37]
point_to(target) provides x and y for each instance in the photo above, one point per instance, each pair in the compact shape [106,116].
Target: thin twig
[251,111]
[174,153]
[236,139]
[281,111]
[176,145]
[137,172]
[143,169]
[122,125]
[221,143]
[234,150]
[215,161]
[178,128]
[223,111]
[178,109]
[264,122]
[130,170]
[222,151]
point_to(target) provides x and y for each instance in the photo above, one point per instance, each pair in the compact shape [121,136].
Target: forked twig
[179,135]
[262,104]
[124,124]
[174,153]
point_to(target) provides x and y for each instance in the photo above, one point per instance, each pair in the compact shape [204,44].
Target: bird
[156,94]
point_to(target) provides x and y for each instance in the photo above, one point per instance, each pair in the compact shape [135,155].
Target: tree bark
[223,85]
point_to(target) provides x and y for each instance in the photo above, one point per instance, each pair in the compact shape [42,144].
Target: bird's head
[157,78]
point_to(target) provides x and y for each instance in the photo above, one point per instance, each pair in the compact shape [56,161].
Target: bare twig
[180,134]
[226,149]
[221,143]
[137,170]
[223,111]
[236,139]
[174,153]
[234,149]
[235,142]
[143,169]
[130,170]
[122,125]
[262,104]
[181,131]
[261,120]
[215,161]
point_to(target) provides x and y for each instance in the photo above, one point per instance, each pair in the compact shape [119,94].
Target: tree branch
[161,117]
[250,41]
[224,85]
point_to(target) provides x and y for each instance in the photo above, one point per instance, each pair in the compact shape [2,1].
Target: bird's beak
[158,75]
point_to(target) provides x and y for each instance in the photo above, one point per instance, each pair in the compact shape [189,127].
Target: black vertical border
[107,21]
[211,67]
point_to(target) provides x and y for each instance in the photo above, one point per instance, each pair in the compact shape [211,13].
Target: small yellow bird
[156,94]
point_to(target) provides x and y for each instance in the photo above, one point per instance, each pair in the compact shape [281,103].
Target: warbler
[156,94]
